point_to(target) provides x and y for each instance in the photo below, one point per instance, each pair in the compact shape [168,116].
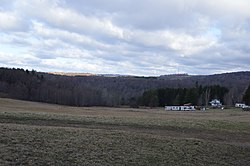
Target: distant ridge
[167,76]
[85,89]
[71,74]
[87,74]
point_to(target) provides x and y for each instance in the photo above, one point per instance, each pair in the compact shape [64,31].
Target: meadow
[45,134]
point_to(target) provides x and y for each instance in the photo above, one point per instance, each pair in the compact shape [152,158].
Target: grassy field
[45,134]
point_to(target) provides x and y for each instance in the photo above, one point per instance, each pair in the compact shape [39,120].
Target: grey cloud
[149,15]
[147,38]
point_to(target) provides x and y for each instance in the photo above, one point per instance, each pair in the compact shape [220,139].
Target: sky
[142,37]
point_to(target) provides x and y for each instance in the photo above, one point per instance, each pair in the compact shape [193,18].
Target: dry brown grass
[45,134]
[10,105]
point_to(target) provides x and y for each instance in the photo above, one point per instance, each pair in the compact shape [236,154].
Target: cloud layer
[145,37]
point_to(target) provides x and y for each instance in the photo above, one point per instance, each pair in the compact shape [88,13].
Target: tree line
[179,96]
[115,91]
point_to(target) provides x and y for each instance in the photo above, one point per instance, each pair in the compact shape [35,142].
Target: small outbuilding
[246,108]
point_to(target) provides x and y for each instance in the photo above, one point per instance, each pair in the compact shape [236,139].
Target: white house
[240,105]
[215,103]
[179,108]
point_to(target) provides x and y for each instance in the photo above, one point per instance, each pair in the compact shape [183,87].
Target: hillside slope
[106,91]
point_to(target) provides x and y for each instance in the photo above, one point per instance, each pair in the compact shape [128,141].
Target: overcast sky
[142,37]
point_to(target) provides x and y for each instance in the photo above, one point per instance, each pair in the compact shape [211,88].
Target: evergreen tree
[246,97]
[161,97]
[154,101]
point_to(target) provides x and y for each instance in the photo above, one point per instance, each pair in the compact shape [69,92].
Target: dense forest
[246,97]
[120,90]
[172,96]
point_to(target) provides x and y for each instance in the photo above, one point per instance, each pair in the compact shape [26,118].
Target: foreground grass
[42,134]
[34,145]
[145,122]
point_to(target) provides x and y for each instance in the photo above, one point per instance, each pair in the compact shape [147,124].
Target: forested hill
[107,91]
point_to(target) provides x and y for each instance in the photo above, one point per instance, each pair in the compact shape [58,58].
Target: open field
[44,134]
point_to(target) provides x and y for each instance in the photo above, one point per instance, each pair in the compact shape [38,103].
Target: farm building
[215,103]
[240,105]
[179,108]
[246,108]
